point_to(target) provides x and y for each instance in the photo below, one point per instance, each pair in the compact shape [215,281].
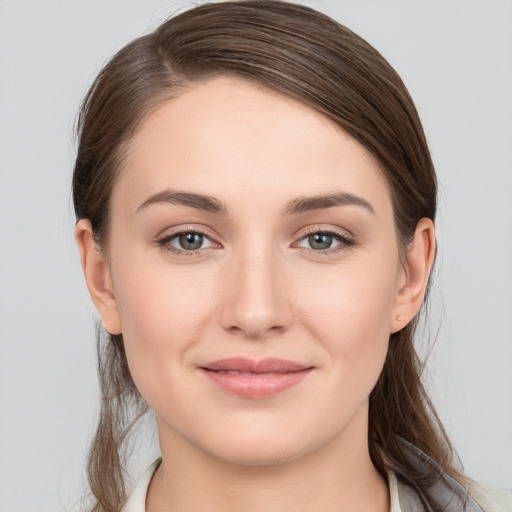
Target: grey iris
[320,241]
[191,241]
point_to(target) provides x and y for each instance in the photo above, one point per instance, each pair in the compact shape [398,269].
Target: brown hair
[308,56]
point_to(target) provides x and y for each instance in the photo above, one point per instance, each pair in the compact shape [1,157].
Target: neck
[338,476]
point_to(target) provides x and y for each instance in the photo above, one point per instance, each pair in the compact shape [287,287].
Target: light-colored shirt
[137,500]
[402,497]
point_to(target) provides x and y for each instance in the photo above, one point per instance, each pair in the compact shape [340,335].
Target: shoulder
[491,499]
[452,496]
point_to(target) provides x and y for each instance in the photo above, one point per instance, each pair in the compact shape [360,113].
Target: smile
[255,379]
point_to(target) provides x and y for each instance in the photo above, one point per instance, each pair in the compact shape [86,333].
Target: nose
[256,303]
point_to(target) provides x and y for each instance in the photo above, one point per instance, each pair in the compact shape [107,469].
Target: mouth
[255,379]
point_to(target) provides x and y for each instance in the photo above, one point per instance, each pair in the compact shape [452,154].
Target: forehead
[227,135]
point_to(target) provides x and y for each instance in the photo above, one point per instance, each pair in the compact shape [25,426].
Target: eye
[324,241]
[186,242]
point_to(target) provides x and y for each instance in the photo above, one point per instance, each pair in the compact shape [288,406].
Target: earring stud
[399,318]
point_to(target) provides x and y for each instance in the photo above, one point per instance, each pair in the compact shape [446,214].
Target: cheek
[350,300]
[157,300]
[351,318]
[163,315]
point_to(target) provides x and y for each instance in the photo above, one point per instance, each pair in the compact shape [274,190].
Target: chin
[264,443]
[259,454]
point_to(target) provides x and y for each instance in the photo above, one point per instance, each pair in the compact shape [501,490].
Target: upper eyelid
[344,233]
[172,232]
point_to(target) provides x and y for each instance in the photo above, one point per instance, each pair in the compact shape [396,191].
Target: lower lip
[256,385]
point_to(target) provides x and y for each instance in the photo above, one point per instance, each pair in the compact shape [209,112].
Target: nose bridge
[255,304]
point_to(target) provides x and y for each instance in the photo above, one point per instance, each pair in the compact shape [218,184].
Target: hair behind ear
[121,408]
[401,408]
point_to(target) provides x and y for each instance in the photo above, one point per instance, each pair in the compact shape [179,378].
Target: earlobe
[415,274]
[97,277]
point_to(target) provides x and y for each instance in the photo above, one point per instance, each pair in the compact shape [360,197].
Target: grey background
[456,58]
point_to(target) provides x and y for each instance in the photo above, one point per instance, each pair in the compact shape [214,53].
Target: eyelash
[164,242]
[345,242]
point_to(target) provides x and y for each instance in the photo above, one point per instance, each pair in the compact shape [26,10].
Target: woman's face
[254,264]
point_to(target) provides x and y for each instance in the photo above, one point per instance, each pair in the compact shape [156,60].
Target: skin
[256,288]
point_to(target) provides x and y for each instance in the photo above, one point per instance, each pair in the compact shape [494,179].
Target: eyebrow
[320,202]
[299,205]
[198,201]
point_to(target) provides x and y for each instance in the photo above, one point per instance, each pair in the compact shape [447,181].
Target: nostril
[254,331]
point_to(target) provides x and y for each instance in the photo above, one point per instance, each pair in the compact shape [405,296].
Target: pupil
[320,241]
[191,241]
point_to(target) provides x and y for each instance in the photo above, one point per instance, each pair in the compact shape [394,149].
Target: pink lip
[255,379]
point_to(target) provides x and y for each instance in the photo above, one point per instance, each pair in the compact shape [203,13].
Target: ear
[413,277]
[97,276]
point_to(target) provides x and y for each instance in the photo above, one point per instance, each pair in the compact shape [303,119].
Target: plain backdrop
[456,58]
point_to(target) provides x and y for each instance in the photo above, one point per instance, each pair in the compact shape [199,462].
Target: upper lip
[242,364]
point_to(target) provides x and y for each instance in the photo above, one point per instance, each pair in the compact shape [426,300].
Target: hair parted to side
[306,55]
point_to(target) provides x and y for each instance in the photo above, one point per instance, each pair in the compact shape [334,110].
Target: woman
[255,203]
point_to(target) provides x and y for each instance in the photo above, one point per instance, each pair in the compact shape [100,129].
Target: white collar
[137,500]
